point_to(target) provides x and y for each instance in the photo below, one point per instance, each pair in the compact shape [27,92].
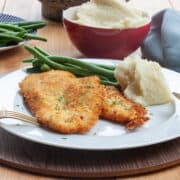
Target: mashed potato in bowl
[114,14]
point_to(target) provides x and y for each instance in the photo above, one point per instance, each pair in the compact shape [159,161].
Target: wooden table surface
[58,43]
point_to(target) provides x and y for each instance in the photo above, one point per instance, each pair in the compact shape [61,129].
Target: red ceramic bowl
[101,42]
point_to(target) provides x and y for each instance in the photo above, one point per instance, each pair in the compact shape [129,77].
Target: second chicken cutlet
[119,109]
[62,102]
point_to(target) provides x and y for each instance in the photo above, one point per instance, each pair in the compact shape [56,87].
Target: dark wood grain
[46,160]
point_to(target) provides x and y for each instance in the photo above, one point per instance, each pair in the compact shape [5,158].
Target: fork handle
[24,120]
[19,116]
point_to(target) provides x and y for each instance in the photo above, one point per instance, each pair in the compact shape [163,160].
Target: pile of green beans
[42,61]
[14,33]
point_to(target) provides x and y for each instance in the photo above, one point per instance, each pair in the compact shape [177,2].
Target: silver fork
[19,116]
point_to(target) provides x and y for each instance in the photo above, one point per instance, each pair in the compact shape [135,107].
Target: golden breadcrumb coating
[119,109]
[62,102]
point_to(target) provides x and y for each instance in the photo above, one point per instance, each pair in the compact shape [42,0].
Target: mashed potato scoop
[143,81]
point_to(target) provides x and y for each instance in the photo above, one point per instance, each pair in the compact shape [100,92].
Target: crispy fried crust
[62,102]
[121,110]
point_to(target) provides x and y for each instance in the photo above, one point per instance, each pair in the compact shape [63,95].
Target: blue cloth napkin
[162,43]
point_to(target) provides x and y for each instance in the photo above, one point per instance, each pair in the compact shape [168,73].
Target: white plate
[5,48]
[164,123]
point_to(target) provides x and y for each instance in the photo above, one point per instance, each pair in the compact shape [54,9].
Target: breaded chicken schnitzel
[119,109]
[62,102]
[67,104]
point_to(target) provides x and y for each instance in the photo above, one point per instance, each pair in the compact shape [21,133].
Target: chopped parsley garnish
[57,107]
[113,103]
[60,99]
[120,102]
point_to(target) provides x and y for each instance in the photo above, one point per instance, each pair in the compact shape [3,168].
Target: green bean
[70,65]
[45,53]
[41,51]
[34,26]
[105,82]
[30,30]
[31,36]
[83,72]
[20,34]
[11,27]
[67,64]
[17,34]
[103,78]
[4,30]
[14,33]
[45,67]
[9,32]
[28,60]
[36,63]
[10,37]
[25,23]
[47,61]
[86,72]
[74,66]
[2,44]
[110,67]
[91,67]
[44,62]
[33,70]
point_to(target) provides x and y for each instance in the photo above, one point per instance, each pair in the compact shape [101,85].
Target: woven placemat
[18,153]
